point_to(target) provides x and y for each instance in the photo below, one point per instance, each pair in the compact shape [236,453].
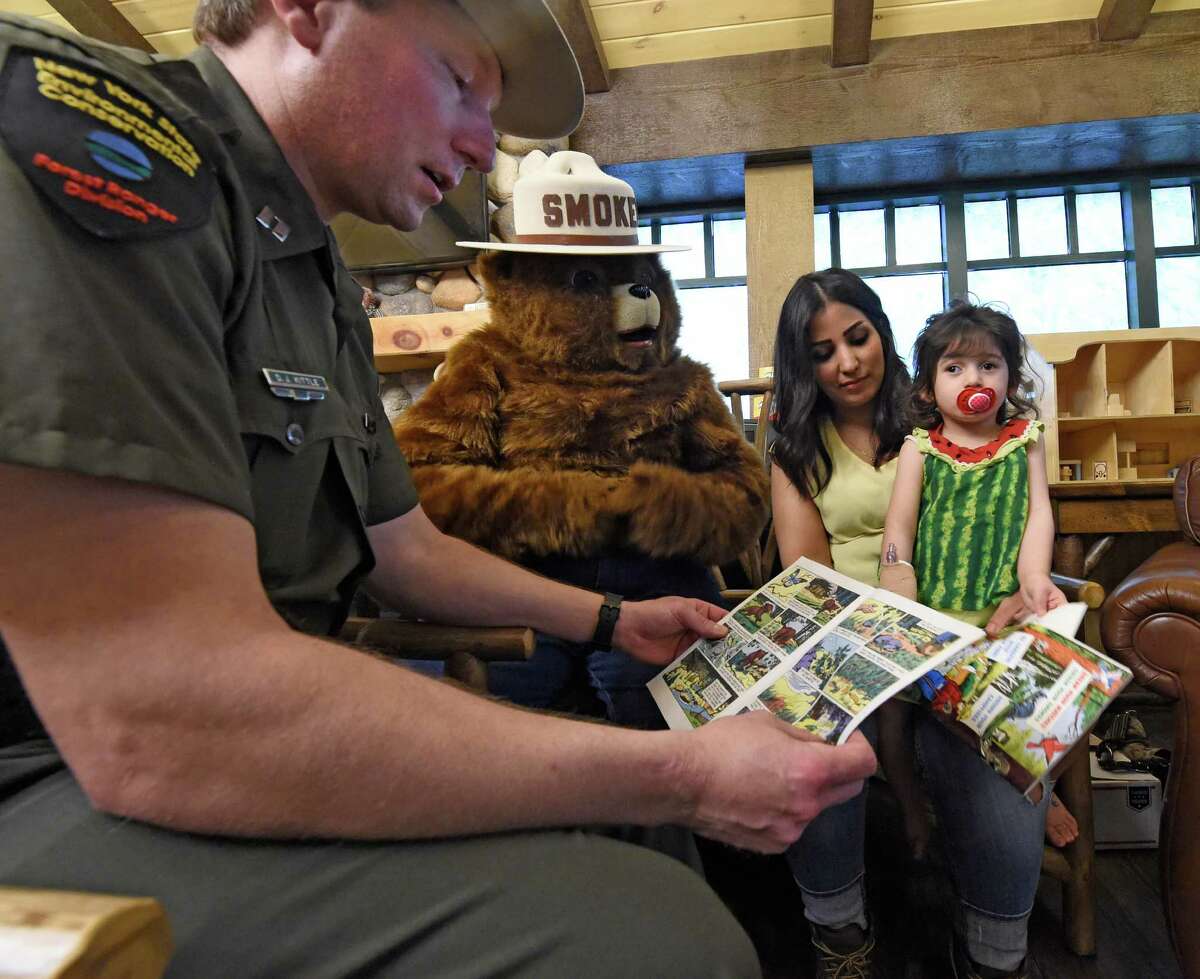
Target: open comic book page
[817,649]
[1024,699]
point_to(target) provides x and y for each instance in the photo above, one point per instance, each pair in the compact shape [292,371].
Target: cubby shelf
[1071,424]
[1121,407]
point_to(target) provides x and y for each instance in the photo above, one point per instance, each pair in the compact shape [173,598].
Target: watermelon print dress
[974,507]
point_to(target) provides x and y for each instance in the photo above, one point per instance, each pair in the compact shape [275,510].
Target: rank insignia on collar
[298,387]
[101,150]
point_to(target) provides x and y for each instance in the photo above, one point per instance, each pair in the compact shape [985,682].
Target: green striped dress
[974,507]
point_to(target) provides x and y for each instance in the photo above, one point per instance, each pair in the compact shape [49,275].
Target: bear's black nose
[642,292]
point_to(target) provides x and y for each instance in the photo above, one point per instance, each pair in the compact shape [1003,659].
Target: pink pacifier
[976,400]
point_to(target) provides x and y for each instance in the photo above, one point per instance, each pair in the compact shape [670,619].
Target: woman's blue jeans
[563,675]
[992,837]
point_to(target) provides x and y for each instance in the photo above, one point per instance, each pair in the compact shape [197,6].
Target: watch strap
[606,622]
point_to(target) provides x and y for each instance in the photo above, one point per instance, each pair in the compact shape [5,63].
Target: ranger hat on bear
[542,96]
[564,204]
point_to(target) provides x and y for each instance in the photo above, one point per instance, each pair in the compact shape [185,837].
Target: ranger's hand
[657,631]
[758,781]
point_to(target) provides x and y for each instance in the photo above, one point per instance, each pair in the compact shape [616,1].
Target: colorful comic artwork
[821,651]
[697,688]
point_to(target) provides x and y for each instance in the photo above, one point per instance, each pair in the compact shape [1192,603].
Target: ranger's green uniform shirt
[158,256]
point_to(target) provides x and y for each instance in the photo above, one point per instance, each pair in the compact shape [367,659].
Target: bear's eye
[584,279]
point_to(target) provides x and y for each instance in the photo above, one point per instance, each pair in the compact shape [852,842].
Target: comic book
[823,651]
[1024,699]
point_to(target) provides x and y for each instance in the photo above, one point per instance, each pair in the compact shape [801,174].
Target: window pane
[644,233]
[1042,225]
[909,300]
[822,253]
[987,229]
[861,238]
[1057,298]
[918,234]
[1179,291]
[714,330]
[729,246]
[1172,216]
[1101,228]
[684,265]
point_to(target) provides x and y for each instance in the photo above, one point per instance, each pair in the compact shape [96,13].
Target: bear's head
[588,312]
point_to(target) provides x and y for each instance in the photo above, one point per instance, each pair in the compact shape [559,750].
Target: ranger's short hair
[231,21]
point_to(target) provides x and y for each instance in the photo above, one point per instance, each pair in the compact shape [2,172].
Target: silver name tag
[298,387]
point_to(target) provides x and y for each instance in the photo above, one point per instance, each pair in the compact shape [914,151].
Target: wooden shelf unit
[1110,399]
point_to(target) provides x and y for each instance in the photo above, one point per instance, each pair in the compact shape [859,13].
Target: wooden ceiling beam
[966,81]
[101,20]
[852,20]
[577,23]
[1122,20]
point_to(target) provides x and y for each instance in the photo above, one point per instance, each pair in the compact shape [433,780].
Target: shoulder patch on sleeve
[99,149]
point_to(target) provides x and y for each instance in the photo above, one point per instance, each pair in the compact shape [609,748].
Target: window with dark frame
[1110,253]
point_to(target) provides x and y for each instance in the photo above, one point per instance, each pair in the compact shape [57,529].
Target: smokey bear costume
[571,436]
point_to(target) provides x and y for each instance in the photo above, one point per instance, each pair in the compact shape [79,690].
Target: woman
[841,417]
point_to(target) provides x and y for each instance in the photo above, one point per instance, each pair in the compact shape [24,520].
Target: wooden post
[779,246]
[1079,896]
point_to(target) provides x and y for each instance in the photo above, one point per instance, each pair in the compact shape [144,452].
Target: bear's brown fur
[546,433]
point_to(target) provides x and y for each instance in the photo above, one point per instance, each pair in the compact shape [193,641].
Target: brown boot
[843,953]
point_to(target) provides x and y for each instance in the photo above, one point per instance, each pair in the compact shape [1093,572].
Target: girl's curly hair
[965,329]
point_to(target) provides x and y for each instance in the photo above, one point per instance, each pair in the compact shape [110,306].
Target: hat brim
[542,96]
[505,246]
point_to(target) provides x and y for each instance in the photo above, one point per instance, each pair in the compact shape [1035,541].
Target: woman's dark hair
[966,329]
[800,404]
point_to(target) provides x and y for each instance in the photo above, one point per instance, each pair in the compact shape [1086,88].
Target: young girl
[969,521]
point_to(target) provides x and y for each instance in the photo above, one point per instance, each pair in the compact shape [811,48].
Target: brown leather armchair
[1151,623]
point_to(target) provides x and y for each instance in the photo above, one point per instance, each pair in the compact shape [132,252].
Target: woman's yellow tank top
[853,505]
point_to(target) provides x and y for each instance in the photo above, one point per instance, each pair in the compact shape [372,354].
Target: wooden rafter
[852,20]
[578,24]
[985,80]
[1121,20]
[101,20]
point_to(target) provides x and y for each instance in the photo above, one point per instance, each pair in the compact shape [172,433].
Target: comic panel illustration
[826,720]
[697,688]
[756,612]
[822,661]
[790,631]
[856,683]
[720,650]
[790,697]
[872,617]
[1056,692]
[825,599]
[747,664]
[1049,650]
[902,638]
[787,584]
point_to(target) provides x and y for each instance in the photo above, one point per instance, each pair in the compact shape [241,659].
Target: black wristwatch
[610,609]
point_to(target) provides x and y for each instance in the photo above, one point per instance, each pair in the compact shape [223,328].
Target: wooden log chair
[1070,865]
[68,935]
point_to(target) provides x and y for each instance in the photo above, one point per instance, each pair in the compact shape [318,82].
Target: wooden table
[1106,508]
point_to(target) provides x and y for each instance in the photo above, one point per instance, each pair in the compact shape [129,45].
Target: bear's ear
[497,266]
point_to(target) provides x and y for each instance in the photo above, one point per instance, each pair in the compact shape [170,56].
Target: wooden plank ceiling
[641,32]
